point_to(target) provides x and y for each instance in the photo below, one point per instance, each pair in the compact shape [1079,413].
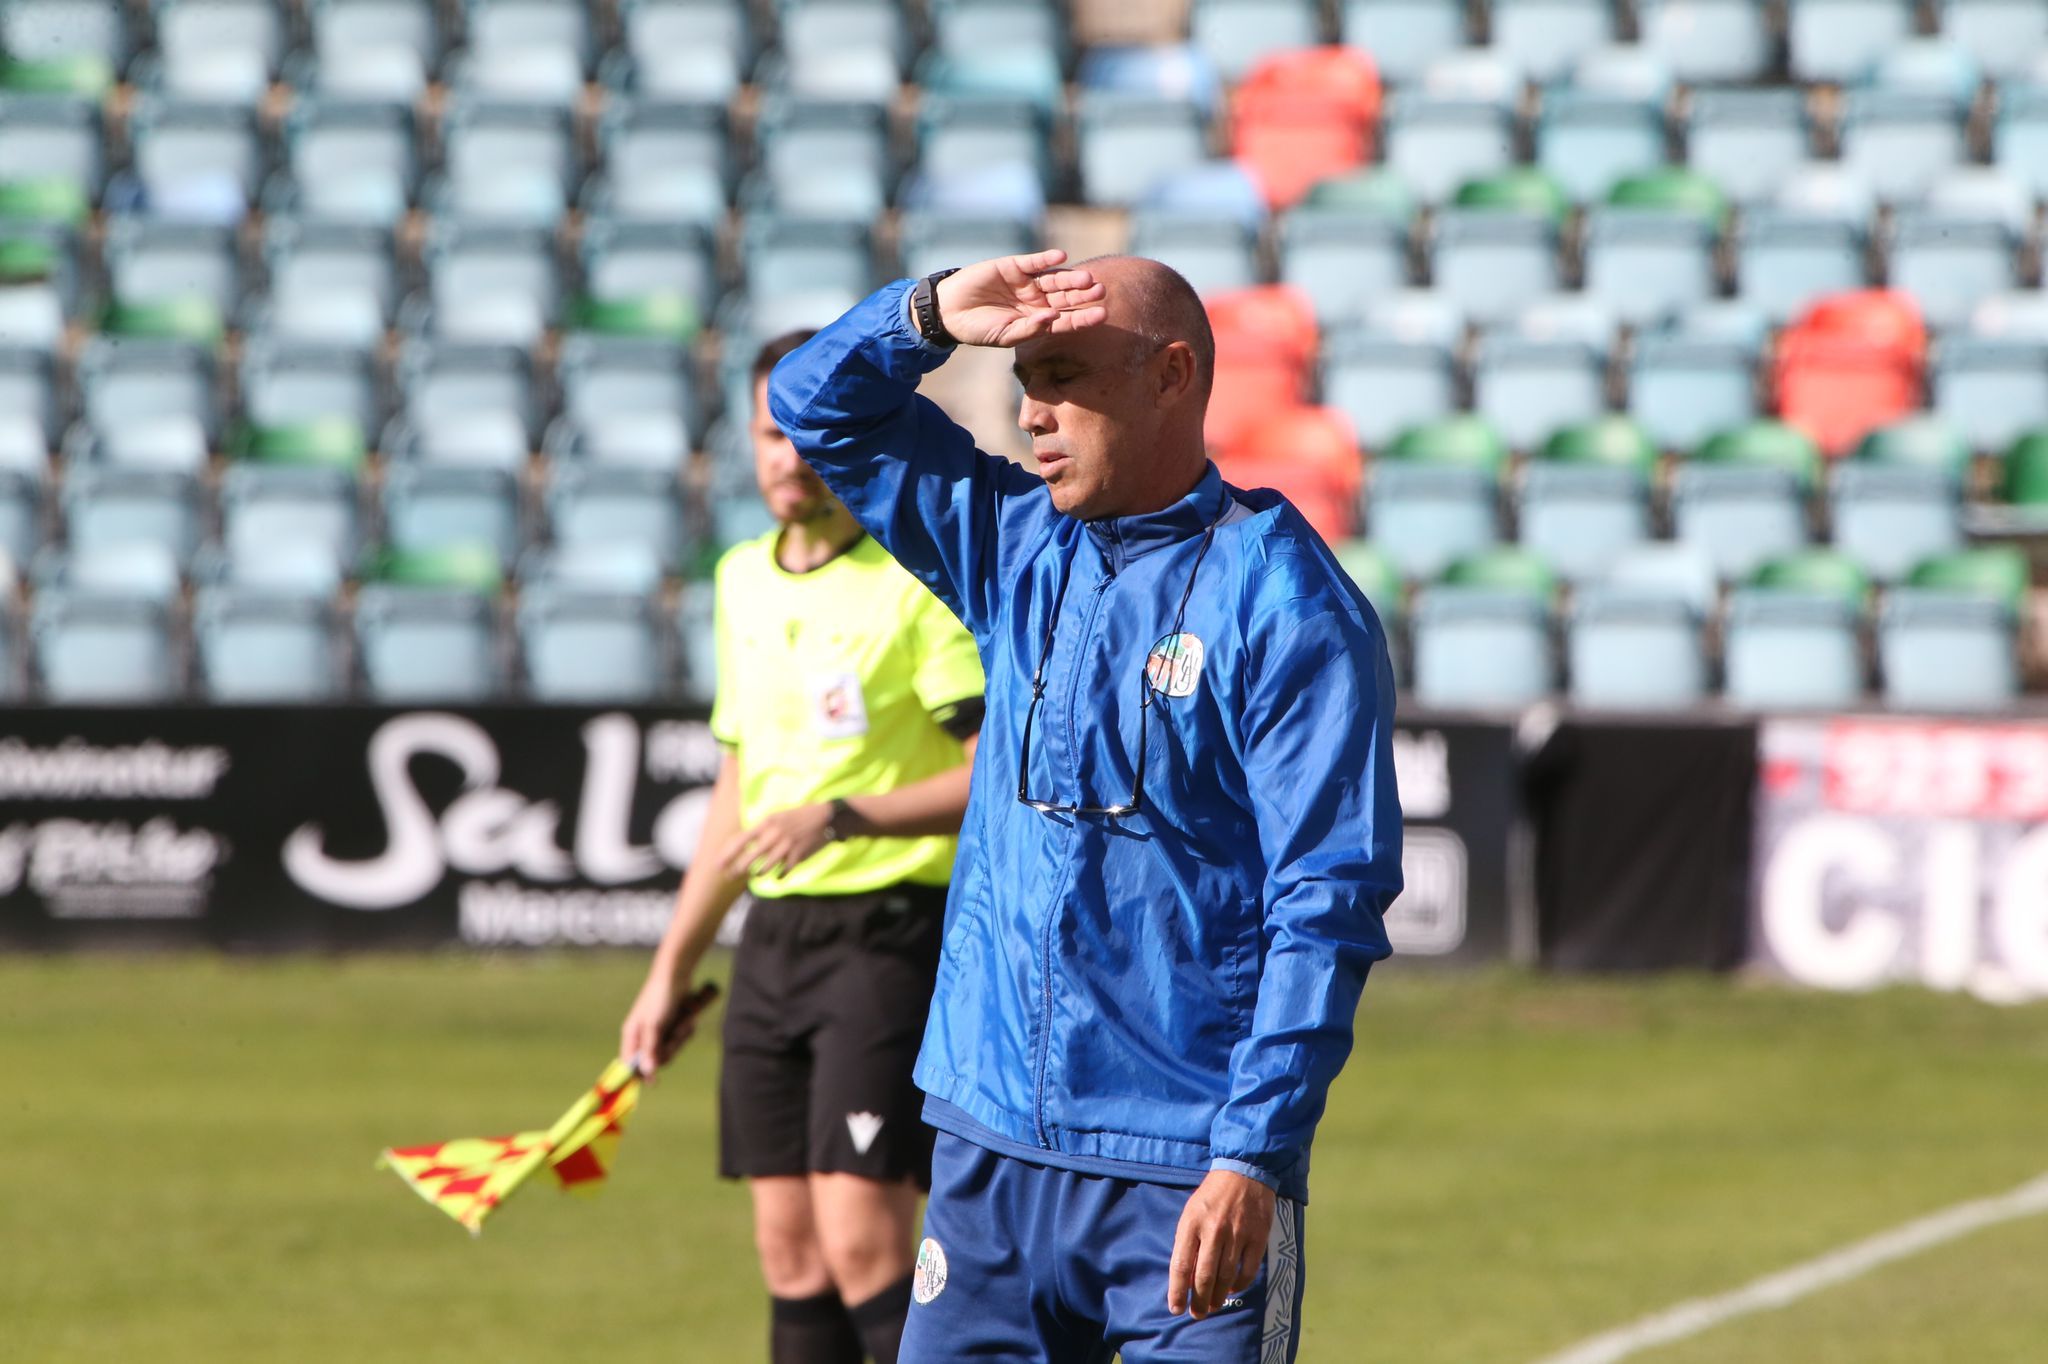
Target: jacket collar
[1123,539]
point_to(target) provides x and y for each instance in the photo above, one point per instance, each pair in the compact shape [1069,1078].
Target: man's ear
[1176,372]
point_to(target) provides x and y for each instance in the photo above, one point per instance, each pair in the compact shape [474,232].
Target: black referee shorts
[822,1026]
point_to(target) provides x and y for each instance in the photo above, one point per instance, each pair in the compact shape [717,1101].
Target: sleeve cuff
[1238,1167]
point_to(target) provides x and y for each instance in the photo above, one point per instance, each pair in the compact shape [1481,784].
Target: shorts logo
[1175,664]
[930,1278]
[863,1128]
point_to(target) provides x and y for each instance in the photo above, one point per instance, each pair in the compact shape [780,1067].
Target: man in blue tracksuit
[1183,828]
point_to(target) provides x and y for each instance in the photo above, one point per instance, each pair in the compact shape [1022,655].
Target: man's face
[1089,407]
[792,490]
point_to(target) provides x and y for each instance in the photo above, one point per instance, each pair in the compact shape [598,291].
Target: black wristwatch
[924,307]
[834,830]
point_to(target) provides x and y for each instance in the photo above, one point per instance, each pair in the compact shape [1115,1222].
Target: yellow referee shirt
[828,683]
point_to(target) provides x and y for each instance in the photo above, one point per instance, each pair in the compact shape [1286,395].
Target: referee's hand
[645,1039]
[1219,1244]
[1013,299]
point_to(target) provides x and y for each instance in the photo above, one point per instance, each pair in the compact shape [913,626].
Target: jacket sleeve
[958,519]
[1319,767]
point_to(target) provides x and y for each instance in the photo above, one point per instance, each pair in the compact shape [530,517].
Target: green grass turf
[1510,1163]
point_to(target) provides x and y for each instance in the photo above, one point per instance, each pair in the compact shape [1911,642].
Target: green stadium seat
[1765,444]
[1993,570]
[1819,571]
[1377,193]
[2026,471]
[1921,442]
[1672,189]
[1504,569]
[1521,190]
[329,442]
[1455,440]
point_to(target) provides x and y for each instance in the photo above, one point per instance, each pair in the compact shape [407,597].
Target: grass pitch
[1510,1163]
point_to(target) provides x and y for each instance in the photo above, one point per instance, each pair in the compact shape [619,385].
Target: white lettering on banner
[76,770]
[499,913]
[1428,917]
[1859,954]
[86,869]
[2020,920]
[489,830]
[680,750]
[1422,773]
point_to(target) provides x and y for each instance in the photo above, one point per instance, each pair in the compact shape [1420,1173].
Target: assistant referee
[848,704]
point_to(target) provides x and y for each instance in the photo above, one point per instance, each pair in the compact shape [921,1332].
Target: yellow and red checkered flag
[468,1178]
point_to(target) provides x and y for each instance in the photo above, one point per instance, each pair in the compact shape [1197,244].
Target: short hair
[770,354]
[1168,309]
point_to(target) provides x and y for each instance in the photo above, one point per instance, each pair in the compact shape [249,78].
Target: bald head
[1155,302]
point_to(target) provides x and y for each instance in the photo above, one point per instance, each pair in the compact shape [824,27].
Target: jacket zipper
[1095,597]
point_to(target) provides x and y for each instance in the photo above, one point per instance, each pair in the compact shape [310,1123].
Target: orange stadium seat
[1279,313]
[1318,439]
[1255,377]
[1880,317]
[1322,500]
[1304,116]
[1839,388]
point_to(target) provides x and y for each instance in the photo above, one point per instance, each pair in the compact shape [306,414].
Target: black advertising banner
[1458,808]
[353,827]
[1642,843]
[1903,849]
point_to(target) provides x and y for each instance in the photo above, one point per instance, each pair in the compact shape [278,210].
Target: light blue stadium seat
[1219,189]
[1491,263]
[658,152]
[144,569]
[1837,40]
[1682,390]
[257,646]
[174,443]
[2020,315]
[224,50]
[821,29]
[1786,649]
[1927,66]
[594,503]
[1235,35]
[381,49]
[129,380]
[482,438]
[507,162]
[1130,142]
[580,645]
[689,48]
[1437,144]
[605,379]
[1982,194]
[1588,141]
[196,160]
[1888,517]
[431,506]
[1526,389]
[2019,135]
[451,383]
[1900,142]
[47,30]
[1481,648]
[791,257]
[1212,254]
[94,648]
[1571,315]
[1942,649]
[428,644]
[1648,264]
[1543,38]
[1632,650]
[962,134]
[1425,315]
[352,160]
[1403,36]
[1708,41]
[29,392]
[35,307]
[1342,260]
[150,261]
[1385,384]
[932,241]
[290,510]
[825,158]
[105,505]
[48,137]
[970,28]
[623,260]
[1990,389]
[645,439]
[1667,570]
[2004,36]
[331,282]
[288,382]
[1161,71]
[1747,140]
[593,566]
[1949,265]
[495,29]
[1739,516]
[493,283]
[1581,517]
[1786,259]
[1423,516]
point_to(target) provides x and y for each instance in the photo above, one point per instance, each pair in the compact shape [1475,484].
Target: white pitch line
[1789,1285]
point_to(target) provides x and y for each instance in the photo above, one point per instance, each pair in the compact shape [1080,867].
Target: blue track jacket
[1170,992]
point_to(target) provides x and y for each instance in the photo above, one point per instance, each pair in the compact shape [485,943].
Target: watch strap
[924,307]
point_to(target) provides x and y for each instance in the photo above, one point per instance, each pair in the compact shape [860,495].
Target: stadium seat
[932,241]
[2004,37]
[91,647]
[1128,143]
[823,158]
[1341,259]
[1305,116]
[429,506]
[594,503]
[971,27]
[1632,650]
[197,161]
[1837,40]
[507,162]
[1951,264]
[352,161]
[1212,254]
[1668,570]
[106,505]
[689,48]
[1586,499]
[46,137]
[1991,390]
[1235,35]
[664,162]
[329,282]
[1543,38]
[623,260]
[1403,36]
[1159,71]
[44,30]
[29,393]
[1748,141]
[1940,649]
[24,473]
[127,381]
[1587,141]
[593,566]
[2019,135]
[1648,264]
[1324,501]
[1255,376]
[1271,313]
[375,49]
[1786,259]
[1741,498]
[256,646]
[1482,635]
[1527,389]
[1901,143]
[491,283]
[1838,388]
[1890,517]
[608,380]
[1708,41]
[1682,390]
[122,568]
[1437,144]
[427,644]
[1790,644]
[1435,495]
[821,29]
[294,382]
[485,437]
[1573,316]
[222,50]
[1492,263]
[266,508]
[150,261]
[580,645]
[962,134]
[451,384]
[1384,384]
[795,258]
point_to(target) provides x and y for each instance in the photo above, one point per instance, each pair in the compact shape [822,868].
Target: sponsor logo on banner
[1422,771]
[521,875]
[110,869]
[1428,918]
[76,770]
[1904,850]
